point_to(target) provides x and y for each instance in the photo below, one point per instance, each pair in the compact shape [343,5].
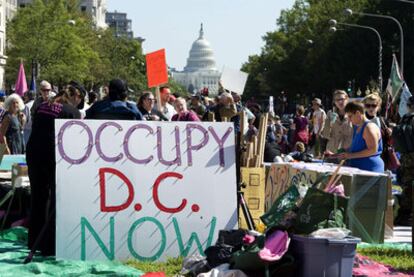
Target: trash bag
[320,210]
[194,265]
[247,258]
[281,207]
[227,243]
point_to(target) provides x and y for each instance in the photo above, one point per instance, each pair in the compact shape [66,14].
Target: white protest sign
[233,80]
[142,190]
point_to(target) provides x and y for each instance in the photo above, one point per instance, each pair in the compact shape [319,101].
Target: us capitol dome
[201,71]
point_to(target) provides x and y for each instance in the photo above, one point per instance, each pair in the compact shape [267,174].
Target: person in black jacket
[40,157]
[116,106]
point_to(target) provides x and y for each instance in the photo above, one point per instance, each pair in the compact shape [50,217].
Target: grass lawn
[171,267]
[401,260]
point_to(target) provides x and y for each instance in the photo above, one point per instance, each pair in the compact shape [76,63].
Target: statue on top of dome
[201,31]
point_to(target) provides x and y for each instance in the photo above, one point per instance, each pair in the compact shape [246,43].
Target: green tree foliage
[65,52]
[290,62]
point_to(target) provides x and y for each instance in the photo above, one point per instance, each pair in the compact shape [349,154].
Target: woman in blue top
[366,148]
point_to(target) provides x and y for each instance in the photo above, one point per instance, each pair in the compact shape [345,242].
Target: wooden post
[261,139]
[242,125]
[158,97]
[211,117]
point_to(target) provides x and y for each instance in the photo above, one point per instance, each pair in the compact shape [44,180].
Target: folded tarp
[13,251]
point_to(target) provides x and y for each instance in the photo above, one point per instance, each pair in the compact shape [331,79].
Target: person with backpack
[403,135]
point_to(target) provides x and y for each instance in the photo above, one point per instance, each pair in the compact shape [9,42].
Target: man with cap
[318,122]
[166,108]
[407,166]
[116,105]
[197,106]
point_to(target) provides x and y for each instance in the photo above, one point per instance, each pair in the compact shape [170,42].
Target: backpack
[403,135]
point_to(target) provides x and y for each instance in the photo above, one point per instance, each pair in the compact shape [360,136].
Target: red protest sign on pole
[156,68]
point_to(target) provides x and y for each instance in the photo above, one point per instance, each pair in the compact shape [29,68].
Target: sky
[234,28]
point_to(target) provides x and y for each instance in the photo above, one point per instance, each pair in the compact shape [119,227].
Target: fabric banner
[142,190]
[405,95]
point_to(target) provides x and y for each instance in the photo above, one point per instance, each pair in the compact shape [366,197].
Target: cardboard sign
[142,190]
[156,68]
[233,80]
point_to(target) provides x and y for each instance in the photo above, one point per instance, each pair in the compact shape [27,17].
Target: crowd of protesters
[351,130]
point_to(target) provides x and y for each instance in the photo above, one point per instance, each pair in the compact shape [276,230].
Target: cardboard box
[254,193]
[18,170]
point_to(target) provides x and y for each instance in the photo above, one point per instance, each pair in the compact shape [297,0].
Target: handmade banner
[156,68]
[142,190]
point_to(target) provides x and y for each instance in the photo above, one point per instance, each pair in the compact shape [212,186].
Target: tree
[71,51]
[50,40]
[288,62]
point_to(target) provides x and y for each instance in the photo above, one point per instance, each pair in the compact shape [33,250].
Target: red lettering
[102,185]
[157,199]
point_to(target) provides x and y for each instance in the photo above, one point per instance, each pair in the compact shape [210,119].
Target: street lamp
[405,1]
[349,12]
[71,22]
[333,23]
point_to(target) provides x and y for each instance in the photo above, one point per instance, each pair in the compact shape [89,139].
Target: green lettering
[110,254]
[163,239]
[185,250]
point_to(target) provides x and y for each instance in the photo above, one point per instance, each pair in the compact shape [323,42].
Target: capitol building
[200,71]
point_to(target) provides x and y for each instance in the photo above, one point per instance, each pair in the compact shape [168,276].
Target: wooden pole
[242,125]
[335,173]
[211,117]
[158,97]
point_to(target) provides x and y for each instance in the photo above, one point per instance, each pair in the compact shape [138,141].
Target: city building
[120,24]
[8,9]
[200,71]
[96,8]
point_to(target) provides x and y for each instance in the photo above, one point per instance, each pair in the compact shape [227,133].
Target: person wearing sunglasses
[338,130]
[372,105]
[44,95]
[146,105]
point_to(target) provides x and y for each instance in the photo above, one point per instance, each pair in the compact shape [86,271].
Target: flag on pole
[395,82]
[402,108]
[21,84]
[33,82]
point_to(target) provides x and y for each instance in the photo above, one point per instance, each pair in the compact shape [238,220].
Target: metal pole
[401,34]
[379,48]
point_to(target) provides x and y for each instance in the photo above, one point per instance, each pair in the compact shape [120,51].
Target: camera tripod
[241,203]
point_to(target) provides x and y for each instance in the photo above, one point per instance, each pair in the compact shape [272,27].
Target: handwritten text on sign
[144,190]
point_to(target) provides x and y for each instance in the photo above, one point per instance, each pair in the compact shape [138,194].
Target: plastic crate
[324,257]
